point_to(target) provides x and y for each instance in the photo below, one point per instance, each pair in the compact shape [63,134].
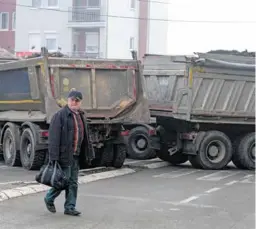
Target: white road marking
[247,176]
[104,175]
[174,209]
[136,199]
[174,175]
[212,190]
[189,199]
[158,210]
[217,176]
[231,182]
[132,162]
[91,169]
[248,179]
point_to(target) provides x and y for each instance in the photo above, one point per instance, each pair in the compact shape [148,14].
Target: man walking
[69,144]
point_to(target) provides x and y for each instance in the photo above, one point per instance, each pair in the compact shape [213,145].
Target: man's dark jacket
[61,139]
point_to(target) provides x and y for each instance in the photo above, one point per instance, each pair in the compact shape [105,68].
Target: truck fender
[150,128]
[17,133]
[197,141]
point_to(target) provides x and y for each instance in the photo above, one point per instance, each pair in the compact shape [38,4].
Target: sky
[187,38]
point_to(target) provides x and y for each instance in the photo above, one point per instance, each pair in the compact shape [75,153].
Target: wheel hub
[213,151]
[216,151]
[29,149]
[141,143]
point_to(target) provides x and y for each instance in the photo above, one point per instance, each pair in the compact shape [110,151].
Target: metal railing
[84,14]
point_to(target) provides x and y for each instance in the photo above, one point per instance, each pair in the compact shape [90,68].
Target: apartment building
[91,28]
[7,24]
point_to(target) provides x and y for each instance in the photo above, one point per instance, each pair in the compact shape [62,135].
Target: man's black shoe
[72,212]
[51,208]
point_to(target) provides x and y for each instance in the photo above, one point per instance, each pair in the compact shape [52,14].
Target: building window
[132,4]
[13,21]
[93,3]
[34,42]
[92,42]
[4,21]
[131,43]
[51,42]
[53,3]
[36,3]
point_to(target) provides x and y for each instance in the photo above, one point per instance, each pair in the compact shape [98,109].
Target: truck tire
[215,151]
[175,159]
[194,162]
[30,158]
[244,152]
[119,155]
[10,145]
[138,144]
[107,155]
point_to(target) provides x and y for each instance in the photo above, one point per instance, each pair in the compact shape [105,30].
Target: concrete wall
[158,30]
[31,20]
[7,37]
[120,30]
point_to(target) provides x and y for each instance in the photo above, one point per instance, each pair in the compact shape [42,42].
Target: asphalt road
[170,197]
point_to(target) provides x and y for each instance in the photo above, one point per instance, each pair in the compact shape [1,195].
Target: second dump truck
[32,90]
[204,107]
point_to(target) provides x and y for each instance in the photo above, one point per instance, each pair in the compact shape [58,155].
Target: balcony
[80,17]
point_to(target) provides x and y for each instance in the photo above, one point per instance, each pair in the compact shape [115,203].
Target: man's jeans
[71,191]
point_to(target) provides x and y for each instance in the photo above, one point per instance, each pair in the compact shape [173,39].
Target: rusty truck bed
[205,88]
[38,87]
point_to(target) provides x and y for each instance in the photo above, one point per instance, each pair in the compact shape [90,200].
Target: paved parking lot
[168,197]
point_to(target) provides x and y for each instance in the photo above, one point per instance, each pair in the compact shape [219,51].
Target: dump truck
[204,107]
[32,90]
[6,56]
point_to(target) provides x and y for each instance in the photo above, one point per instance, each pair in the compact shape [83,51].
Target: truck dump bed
[34,89]
[207,88]
[6,56]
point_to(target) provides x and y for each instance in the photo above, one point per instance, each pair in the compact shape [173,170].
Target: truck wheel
[244,153]
[175,159]
[138,144]
[194,162]
[10,143]
[107,155]
[119,155]
[215,151]
[30,158]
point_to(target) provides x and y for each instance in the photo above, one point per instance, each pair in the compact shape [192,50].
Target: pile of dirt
[233,52]
[6,55]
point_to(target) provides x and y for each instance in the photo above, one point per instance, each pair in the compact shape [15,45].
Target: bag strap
[54,172]
[44,171]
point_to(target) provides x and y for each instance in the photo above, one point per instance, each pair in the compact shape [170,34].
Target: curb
[157,165]
[32,189]
[152,165]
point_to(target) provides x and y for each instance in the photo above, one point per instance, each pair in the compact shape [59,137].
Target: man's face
[74,104]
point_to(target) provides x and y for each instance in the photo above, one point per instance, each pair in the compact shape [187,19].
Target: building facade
[7,24]
[91,28]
